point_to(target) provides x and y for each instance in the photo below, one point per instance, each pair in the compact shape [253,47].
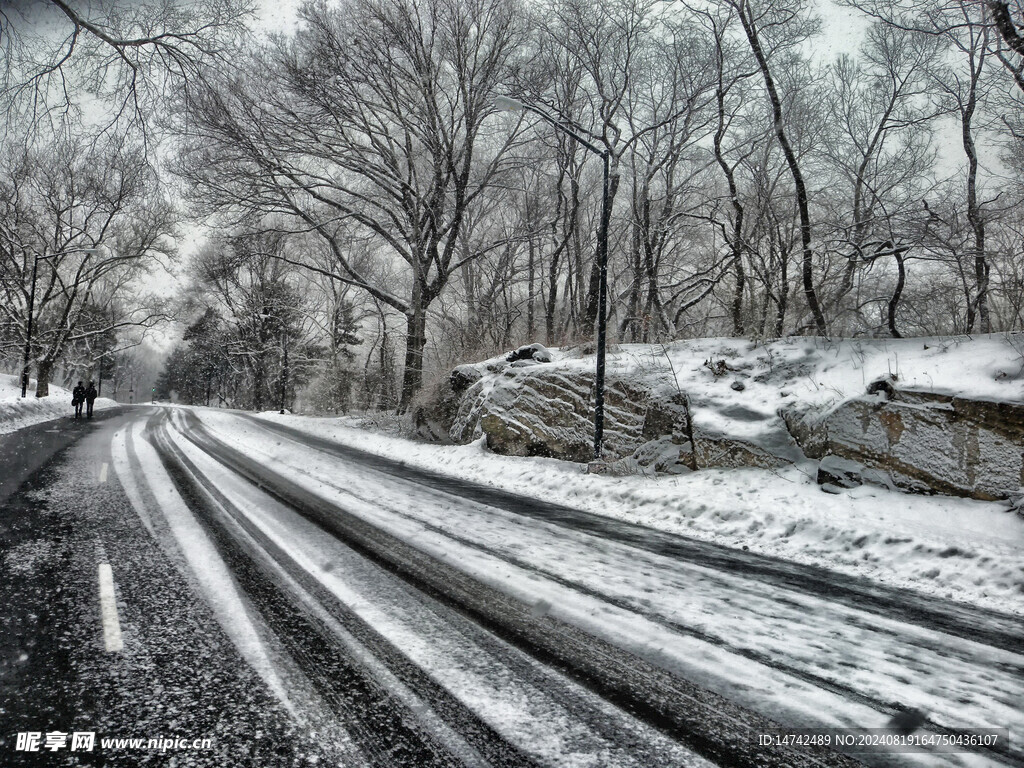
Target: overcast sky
[843,27]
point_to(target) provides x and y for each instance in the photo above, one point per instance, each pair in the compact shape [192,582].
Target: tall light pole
[284,377]
[284,351]
[512,105]
[31,310]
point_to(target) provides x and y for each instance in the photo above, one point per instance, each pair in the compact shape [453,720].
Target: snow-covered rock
[843,473]
[464,376]
[934,443]
[538,353]
[730,403]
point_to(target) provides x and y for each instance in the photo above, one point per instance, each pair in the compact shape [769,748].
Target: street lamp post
[284,376]
[31,311]
[284,351]
[512,105]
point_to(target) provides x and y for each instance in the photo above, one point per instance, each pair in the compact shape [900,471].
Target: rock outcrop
[919,441]
[933,443]
[546,411]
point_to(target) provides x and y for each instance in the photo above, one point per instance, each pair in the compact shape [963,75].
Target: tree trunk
[531,291]
[780,315]
[975,215]
[894,302]
[552,301]
[737,295]
[44,369]
[257,388]
[794,169]
[976,218]
[734,196]
[415,341]
[629,328]
[386,398]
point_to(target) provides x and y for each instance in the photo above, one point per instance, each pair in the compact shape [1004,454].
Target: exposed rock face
[725,451]
[541,411]
[919,441]
[463,377]
[934,443]
[432,420]
[807,429]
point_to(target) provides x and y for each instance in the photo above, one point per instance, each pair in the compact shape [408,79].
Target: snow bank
[17,413]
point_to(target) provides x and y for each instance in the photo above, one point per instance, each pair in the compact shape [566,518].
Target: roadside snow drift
[961,549]
[17,413]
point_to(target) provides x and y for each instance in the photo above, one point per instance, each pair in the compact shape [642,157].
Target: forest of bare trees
[86,215]
[374,216]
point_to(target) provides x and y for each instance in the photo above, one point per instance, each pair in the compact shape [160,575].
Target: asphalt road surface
[171,596]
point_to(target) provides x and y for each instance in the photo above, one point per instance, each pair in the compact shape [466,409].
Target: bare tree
[88,216]
[58,56]
[782,27]
[882,151]
[369,123]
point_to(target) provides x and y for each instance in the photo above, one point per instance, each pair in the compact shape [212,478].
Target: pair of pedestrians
[81,395]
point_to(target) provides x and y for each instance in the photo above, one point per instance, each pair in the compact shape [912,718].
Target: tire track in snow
[368,704]
[625,742]
[885,706]
[969,622]
[704,721]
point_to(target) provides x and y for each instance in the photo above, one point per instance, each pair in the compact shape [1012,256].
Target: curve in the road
[701,719]
[966,621]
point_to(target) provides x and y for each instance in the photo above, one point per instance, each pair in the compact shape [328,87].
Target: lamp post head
[506,104]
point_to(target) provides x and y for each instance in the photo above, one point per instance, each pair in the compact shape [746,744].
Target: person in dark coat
[78,399]
[90,398]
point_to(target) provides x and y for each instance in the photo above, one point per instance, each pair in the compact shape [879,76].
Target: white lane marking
[108,610]
[103,473]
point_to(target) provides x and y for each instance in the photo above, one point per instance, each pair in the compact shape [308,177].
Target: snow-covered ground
[16,413]
[961,549]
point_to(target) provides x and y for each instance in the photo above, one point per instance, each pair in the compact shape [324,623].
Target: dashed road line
[108,610]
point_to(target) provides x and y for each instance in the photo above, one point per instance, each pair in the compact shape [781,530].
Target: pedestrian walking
[90,398]
[78,399]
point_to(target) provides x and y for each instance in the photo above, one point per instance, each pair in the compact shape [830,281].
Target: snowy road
[371,614]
